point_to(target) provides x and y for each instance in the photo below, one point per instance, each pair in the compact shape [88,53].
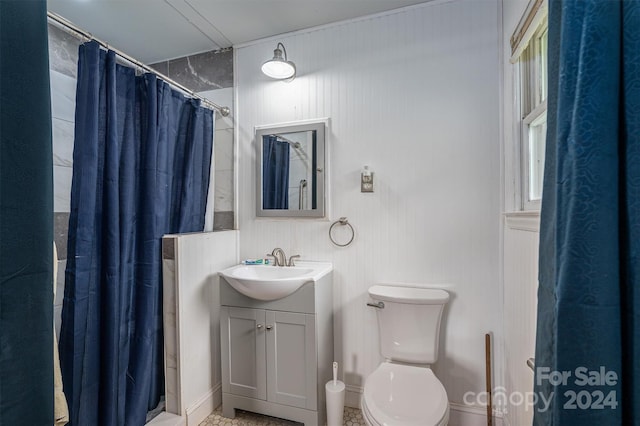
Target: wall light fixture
[279,67]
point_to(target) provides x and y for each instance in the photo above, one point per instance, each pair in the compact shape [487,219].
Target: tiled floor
[352,417]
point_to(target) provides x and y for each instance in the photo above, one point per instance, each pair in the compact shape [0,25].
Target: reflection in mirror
[287,171]
[291,170]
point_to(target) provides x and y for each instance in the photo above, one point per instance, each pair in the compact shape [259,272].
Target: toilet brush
[335,390]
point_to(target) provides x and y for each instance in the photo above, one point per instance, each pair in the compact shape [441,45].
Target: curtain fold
[589,282]
[26,216]
[142,156]
[275,173]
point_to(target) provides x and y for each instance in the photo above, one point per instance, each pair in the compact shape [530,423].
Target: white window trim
[527,203]
[535,13]
[532,94]
[523,221]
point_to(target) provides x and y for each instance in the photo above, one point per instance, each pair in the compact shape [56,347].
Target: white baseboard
[459,414]
[167,419]
[204,406]
[465,415]
[352,396]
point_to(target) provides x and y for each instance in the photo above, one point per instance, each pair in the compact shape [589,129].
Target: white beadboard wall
[414,94]
[521,284]
[192,320]
[520,245]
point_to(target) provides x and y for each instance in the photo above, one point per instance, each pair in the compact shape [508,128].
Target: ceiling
[156,30]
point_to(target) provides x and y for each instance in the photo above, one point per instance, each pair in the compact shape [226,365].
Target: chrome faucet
[279,258]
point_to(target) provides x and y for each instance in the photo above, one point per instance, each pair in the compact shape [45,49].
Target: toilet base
[369,420]
[366,415]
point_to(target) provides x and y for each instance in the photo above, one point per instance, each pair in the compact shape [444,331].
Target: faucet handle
[275,259]
[291,259]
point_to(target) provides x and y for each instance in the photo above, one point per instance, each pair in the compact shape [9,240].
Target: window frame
[529,203]
[531,80]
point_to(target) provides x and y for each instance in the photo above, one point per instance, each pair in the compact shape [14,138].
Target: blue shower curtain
[141,157]
[26,217]
[275,173]
[589,283]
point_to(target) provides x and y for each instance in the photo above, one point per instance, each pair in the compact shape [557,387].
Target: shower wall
[210,74]
[63,59]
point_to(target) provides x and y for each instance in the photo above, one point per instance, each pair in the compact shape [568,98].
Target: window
[536,136]
[529,48]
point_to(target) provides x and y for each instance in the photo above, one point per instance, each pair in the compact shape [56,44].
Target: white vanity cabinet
[277,355]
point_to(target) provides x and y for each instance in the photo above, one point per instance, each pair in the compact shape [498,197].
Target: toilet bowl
[403,391]
[404,395]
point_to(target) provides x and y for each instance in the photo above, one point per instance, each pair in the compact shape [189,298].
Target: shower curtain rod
[290,142]
[69,27]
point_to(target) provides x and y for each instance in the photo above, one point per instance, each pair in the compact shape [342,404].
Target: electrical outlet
[366,182]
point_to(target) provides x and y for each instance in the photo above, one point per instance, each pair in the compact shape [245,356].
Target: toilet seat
[404,395]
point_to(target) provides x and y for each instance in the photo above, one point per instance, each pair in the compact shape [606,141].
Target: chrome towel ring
[342,221]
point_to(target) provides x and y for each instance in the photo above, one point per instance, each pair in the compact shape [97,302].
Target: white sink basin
[265,282]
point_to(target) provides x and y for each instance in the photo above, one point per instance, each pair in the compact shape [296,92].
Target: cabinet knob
[259,326]
[269,327]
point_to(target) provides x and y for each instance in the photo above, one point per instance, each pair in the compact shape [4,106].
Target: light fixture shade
[278,67]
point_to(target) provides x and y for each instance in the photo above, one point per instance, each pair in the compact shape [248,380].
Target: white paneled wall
[191,307]
[520,245]
[414,94]
[520,276]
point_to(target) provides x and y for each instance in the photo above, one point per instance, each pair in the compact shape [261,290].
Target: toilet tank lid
[412,295]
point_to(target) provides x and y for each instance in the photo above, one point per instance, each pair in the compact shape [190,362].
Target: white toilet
[403,391]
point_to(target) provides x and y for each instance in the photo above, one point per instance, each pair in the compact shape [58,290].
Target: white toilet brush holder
[335,399]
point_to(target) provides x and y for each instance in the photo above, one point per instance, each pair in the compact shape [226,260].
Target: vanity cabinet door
[291,359]
[243,352]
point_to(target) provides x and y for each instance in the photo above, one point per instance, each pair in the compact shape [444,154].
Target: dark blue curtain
[589,283]
[142,156]
[275,173]
[26,217]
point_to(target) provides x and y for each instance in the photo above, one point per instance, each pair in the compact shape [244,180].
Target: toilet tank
[409,322]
